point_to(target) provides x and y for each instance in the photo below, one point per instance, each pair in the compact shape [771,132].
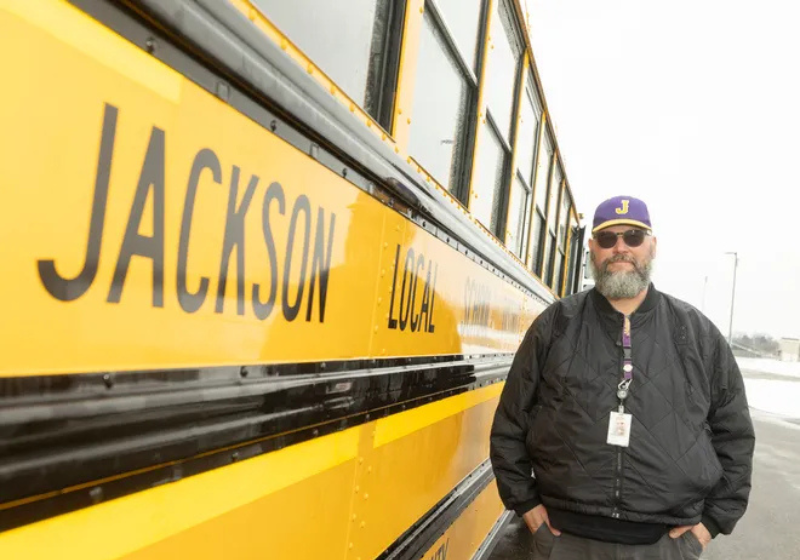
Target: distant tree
[760,342]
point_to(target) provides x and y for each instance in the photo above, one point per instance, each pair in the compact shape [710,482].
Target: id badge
[619,429]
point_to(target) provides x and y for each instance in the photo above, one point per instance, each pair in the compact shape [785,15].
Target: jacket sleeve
[733,438]
[509,455]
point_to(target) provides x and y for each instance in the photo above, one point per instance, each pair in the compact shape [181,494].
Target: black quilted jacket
[691,447]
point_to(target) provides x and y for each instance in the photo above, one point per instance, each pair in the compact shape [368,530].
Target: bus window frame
[388,82]
[484,114]
[463,172]
[526,79]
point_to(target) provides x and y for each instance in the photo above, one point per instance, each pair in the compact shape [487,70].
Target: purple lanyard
[627,363]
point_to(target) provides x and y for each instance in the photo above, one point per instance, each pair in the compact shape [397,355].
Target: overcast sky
[693,106]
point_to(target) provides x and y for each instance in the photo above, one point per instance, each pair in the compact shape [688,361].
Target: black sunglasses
[631,237]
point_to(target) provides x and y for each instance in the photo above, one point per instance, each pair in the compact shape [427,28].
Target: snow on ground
[766,365]
[780,397]
[775,397]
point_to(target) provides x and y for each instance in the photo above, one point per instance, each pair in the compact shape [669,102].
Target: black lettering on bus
[234,239]
[392,320]
[405,306]
[264,309]
[290,310]
[321,265]
[415,318]
[69,289]
[426,300]
[152,179]
[204,159]
[431,326]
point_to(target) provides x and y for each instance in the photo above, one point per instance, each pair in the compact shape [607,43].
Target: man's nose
[620,246]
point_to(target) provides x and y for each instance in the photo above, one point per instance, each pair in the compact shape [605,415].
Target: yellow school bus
[265,265]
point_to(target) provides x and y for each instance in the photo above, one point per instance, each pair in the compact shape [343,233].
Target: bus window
[552,217]
[500,88]
[355,42]
[444,94]
[543,168]
[489,180]
[504,62]
[563,229]
[573,243]
[463,19]
[519,213]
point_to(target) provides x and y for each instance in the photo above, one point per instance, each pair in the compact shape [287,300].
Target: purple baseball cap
[621,210]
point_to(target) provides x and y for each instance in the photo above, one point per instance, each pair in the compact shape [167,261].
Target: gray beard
[623,284]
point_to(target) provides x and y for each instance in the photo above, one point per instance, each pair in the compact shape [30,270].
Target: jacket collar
[605,307]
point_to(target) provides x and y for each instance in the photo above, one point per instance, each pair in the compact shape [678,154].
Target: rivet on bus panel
[363,524]
[408,120]
[380,299]
[366,496]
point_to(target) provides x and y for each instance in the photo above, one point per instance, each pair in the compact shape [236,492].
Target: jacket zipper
[618,471]
[617,484]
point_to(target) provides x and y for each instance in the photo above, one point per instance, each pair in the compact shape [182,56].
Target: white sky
[693,106]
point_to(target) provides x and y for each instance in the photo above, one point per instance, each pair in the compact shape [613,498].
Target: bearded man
[623,429]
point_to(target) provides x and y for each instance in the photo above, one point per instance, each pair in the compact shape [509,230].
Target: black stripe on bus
[74,440]
[366,170]
[421,536]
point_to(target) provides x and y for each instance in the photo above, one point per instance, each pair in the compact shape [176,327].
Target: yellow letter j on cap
[624,209]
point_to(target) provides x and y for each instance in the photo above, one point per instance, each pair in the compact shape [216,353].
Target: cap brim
[622,222]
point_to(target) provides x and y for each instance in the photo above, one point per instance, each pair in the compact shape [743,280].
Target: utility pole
[733,294]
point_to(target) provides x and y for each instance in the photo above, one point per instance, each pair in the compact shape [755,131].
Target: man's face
[622,271]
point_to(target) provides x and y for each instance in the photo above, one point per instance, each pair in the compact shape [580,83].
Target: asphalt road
[770,530]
